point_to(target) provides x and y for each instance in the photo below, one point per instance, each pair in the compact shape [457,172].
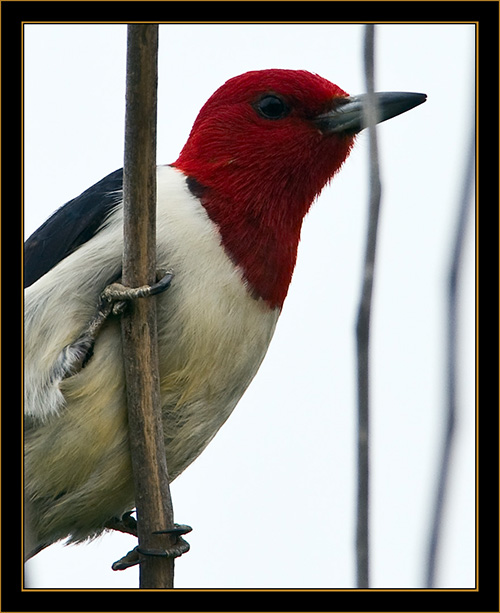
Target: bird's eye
[272,107]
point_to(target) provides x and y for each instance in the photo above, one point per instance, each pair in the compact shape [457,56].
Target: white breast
[212,333]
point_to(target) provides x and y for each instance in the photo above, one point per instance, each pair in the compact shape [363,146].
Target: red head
[259,152]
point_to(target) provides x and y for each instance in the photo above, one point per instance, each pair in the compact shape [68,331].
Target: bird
[229,217]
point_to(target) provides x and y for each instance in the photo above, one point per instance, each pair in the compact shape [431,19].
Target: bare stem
[451,363]
[363,326]
[139,337]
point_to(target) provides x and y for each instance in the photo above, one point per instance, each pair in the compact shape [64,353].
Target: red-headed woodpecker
[229,216]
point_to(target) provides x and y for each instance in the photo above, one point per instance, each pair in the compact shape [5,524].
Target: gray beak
[348,115]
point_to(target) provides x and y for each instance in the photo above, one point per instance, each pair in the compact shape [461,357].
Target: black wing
[70,226]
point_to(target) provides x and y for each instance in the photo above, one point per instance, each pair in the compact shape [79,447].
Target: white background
[272,499]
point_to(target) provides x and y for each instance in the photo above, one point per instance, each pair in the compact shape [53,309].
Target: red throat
[257,178]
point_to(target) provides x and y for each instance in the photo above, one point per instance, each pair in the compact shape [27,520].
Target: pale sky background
[272,499]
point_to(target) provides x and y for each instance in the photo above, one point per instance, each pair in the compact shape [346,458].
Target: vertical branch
[140,352]
[363,326]
[451,361]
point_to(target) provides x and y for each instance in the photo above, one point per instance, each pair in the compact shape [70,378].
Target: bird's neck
[259,234]
[258,192]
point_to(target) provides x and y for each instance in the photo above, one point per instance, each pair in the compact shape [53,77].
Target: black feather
[71,226]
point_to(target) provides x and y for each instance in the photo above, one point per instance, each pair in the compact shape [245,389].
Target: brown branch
[140,351]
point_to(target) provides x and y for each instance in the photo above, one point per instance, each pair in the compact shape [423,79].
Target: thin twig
[451,361]
[363,326]
[140,352]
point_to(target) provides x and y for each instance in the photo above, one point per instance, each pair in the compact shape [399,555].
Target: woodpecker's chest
[211,327]
[212,333]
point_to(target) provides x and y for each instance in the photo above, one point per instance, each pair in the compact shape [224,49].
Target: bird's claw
[126,524]
[180,547]
[128,560]
[118,294]
[113,300]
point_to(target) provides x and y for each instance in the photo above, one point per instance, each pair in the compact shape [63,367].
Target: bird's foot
[128,560]
[118,294]
[176,550]
[126,523]
[112,301]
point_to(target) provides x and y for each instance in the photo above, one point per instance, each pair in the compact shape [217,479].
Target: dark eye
[272,107]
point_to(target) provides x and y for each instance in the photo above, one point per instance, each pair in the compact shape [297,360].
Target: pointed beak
[348,115]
